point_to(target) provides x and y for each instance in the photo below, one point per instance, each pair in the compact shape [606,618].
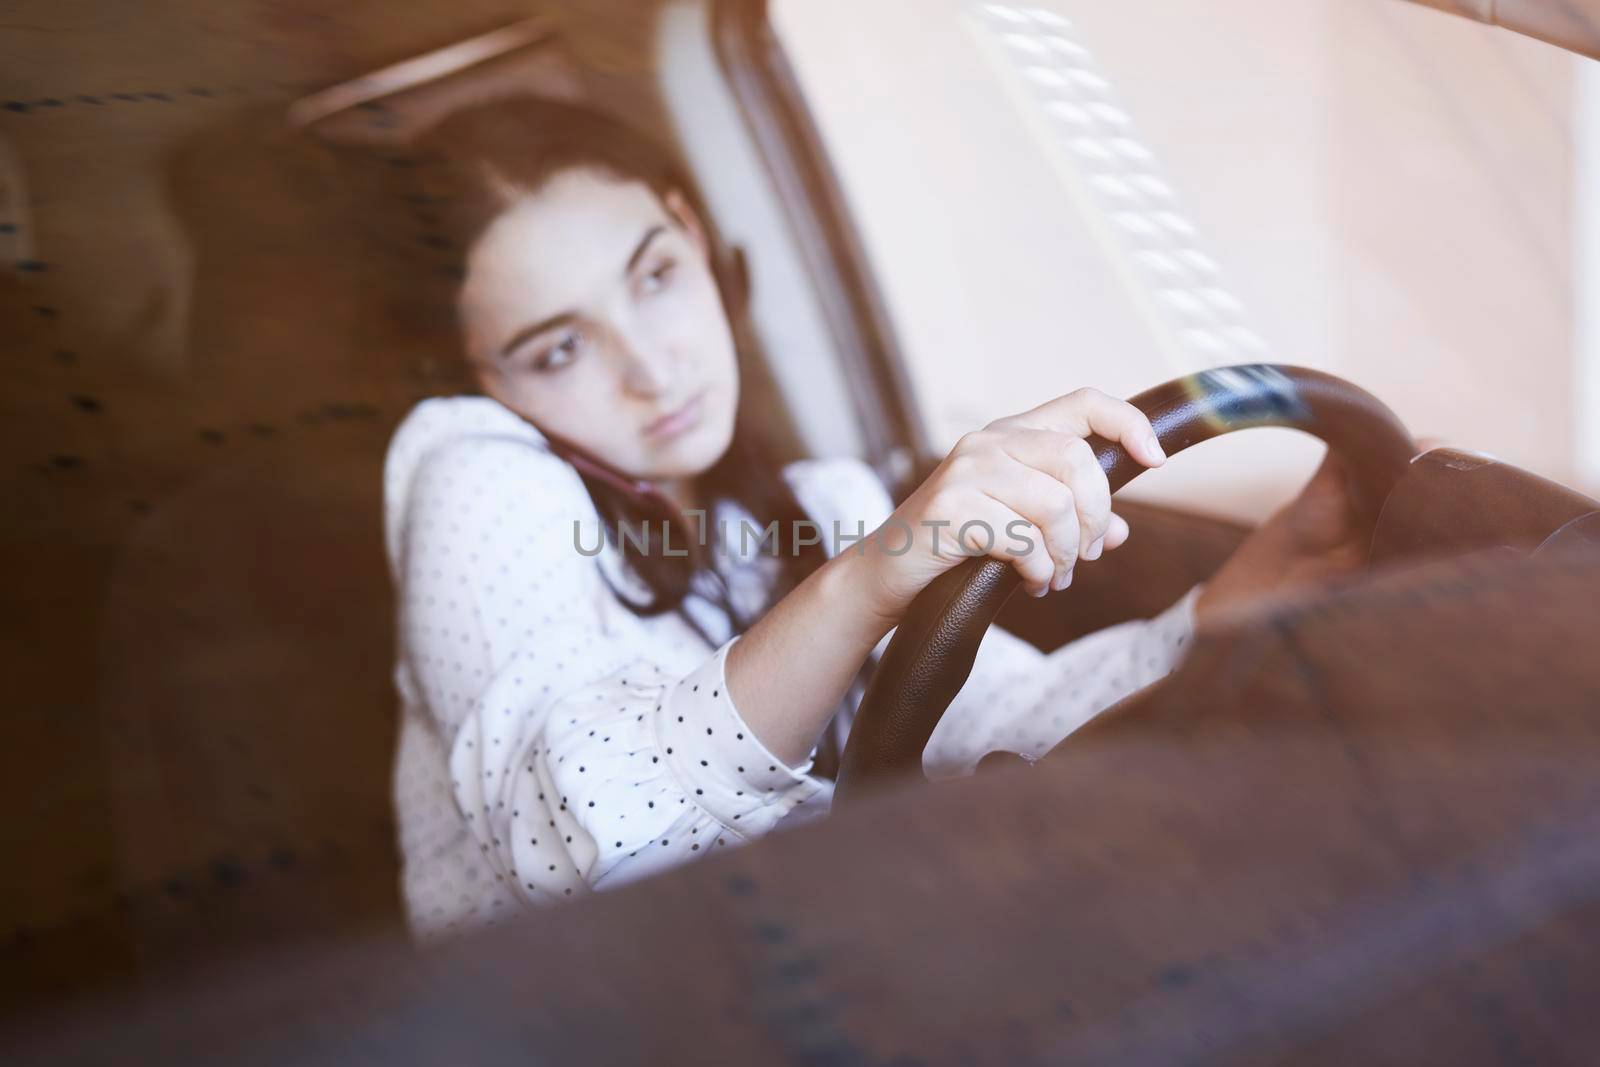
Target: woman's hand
[1311,541]
[1026,490]
[1030,477]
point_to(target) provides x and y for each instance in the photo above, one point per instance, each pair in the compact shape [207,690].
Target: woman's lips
[677,421]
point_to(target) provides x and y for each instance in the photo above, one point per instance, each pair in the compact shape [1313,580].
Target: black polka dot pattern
[554,743]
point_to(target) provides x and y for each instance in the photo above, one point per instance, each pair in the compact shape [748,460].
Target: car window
[1071,193]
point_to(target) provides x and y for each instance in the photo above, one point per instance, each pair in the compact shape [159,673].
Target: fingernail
[1153,444]
[1039,592]
[1095,548]
[1063,581]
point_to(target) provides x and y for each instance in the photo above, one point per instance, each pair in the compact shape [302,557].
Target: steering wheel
[932,651]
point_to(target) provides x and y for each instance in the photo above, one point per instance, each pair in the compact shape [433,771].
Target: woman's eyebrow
[535,330]
[566,316]
[644,244]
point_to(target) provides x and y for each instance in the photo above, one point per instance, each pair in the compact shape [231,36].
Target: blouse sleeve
[1021,700]
[582,752]
[1017,699]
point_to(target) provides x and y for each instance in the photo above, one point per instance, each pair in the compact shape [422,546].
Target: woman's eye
[659,277]
[559,354]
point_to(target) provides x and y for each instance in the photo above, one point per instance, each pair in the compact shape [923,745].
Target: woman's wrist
[789,671]
[855,581]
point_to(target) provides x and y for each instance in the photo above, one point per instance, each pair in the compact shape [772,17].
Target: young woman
[582,709]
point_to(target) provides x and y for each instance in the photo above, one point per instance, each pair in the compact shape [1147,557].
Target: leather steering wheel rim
[933,648]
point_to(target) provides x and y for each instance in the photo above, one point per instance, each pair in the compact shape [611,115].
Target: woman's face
[590,309]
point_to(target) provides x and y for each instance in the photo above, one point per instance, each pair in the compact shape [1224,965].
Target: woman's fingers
[1117,534]
[1093,493]
[1050,507]
[999,531]
[1085,411]
[1070,461]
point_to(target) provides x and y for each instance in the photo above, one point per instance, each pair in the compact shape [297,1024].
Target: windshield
[1070,193]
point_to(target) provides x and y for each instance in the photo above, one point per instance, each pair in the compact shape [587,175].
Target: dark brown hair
[467,161]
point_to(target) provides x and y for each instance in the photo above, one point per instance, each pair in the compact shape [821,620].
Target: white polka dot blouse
[553,743]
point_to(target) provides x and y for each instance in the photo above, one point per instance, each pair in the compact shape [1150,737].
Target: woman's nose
[648,370]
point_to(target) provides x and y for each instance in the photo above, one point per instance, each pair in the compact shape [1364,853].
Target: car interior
[1344,826]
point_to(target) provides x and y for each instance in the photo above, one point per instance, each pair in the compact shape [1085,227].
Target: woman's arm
[1309,542]
[789,671]
[1025,489]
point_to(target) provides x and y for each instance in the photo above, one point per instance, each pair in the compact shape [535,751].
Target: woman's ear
[490,385]
[684,214]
